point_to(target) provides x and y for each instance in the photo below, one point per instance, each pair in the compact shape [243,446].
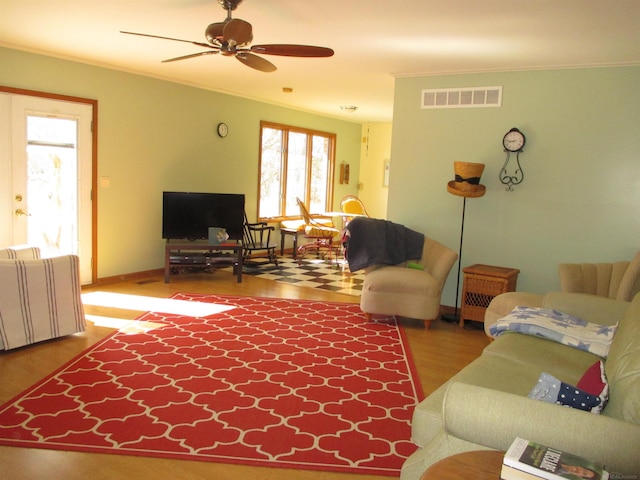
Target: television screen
[188,215]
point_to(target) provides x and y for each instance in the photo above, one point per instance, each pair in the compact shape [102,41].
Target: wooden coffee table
[479,465]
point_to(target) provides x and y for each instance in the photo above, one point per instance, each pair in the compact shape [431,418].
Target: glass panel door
[46,154]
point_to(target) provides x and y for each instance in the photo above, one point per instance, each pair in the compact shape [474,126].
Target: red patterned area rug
[272,382]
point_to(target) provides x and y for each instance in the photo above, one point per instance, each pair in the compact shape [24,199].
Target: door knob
[21,213]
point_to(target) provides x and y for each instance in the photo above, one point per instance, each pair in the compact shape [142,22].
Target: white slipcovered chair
[40,298]
[409,292]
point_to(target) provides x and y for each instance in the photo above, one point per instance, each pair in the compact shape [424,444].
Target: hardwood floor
[438,354]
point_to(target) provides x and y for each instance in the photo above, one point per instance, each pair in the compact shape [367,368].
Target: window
[294,162]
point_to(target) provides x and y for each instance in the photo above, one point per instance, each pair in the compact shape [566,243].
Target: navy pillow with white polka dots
[576,398]
[550,389]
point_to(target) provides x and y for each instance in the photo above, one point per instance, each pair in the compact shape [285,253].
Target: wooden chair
[256,237]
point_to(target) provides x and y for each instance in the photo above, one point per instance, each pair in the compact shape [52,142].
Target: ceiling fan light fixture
[233,37]
[349,108]
[214,32]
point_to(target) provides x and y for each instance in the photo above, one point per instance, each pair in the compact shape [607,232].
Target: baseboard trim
[127,277]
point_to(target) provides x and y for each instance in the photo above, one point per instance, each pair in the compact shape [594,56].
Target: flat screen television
[188,215]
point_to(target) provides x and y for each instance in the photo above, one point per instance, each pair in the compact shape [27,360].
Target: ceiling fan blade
[193,55]
[238,31]
[254,61]
[287,50]
[199,44]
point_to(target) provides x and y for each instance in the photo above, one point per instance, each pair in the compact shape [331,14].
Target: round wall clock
[513,140]
[223,130]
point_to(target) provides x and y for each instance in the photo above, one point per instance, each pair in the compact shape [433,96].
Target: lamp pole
[455,318]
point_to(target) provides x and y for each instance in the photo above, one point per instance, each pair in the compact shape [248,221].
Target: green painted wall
[155,135]
[580,199]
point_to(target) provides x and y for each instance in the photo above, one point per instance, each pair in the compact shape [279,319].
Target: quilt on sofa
[559,327]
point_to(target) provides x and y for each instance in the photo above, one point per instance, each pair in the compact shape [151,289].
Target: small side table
[478,465]
[481,284]
[293,233]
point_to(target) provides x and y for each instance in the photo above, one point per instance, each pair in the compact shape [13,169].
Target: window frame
[331,163]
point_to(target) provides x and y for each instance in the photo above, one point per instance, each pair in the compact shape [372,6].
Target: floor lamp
[465,185]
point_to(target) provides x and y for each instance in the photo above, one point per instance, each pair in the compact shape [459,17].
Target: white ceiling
[374,41]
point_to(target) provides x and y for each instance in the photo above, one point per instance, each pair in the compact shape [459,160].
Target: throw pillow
[550,389]
[594,380]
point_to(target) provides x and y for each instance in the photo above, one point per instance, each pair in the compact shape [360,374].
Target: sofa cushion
[542,355]
[391,279]
[604,311]
[623,367]
[489,371]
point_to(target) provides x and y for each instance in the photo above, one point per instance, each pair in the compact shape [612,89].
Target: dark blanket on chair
[373,241]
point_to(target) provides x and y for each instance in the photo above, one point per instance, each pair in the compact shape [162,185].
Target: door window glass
[52,181]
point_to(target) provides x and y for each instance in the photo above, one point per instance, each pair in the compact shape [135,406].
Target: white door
[46,148]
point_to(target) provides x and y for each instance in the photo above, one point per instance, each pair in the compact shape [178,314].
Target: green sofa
[485,405]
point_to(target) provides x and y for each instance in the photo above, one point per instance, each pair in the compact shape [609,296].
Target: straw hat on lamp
[467,180]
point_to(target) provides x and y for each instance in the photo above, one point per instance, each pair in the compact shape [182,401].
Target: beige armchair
[409,292]
[40,297]
[618,280]
[615,280]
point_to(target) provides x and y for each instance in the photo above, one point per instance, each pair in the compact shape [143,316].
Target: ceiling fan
[233,36]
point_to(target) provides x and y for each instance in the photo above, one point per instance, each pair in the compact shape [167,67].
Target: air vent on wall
[462,97]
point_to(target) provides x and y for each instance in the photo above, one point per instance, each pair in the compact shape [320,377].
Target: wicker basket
[481,284]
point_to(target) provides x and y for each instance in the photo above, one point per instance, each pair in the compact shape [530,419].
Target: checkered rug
[314,273]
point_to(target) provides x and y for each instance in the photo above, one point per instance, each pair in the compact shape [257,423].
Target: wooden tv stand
[185,253]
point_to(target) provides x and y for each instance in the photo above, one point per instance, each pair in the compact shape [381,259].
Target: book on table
[527,460]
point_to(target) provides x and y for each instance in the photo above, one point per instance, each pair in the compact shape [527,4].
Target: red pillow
[594,381]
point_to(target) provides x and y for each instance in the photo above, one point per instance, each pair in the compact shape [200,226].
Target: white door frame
[6,200]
